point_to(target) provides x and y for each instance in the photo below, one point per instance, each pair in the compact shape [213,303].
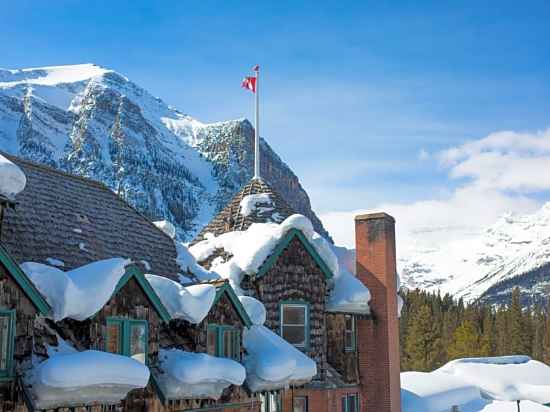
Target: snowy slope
[95,122]
[515,251]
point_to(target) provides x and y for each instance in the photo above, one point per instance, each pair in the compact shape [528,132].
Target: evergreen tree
[421,344]
[518,340]
[466,341]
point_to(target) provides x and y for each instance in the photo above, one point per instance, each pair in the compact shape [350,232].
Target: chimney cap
[375,216]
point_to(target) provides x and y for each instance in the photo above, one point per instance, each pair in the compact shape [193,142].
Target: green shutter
[10,316]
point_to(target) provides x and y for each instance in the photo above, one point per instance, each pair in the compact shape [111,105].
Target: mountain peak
[51,75]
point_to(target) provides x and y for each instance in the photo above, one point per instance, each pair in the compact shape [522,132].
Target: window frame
[353,332]
[346,402]
[219,330]
[125,335]
[304,399]
[296,303]
[7,373]
[266,404]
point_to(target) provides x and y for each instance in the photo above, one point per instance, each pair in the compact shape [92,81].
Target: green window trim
[347,402]
[7,372]
[296,303]
[352,331]
[125,335]
[235,336]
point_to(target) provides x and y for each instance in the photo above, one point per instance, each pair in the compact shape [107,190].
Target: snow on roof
[506,378]
[50,76]
[187,263]
[12,179]
[257,203]
[255,309]
[250,248]
[191,303]
[196,375]
[437,392]
[273,363]
[166,227]
[80,293]
[84,377]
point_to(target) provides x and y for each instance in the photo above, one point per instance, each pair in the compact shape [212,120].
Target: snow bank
[188,264]
[250,248]
[196,375]
[80,293]
[167,227]
[506,378]
[252,204]
[436,392]
[191,303]
[85,377]
[12,178]
[255,309]
[273,363]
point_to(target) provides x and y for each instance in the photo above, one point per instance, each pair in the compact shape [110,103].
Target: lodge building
[102,310]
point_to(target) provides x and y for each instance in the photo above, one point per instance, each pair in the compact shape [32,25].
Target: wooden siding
[345,362]
[13,297]
[186,336]
[295,276]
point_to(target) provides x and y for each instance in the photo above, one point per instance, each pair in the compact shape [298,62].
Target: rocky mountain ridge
[94,122]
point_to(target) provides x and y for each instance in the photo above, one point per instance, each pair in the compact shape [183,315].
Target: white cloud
[502,172]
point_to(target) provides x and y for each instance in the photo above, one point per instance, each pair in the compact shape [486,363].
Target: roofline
[281,246]
[24,282]
[234,299]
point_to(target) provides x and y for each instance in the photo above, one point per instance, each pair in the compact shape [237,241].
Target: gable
[227,292]
[134,274]
[23,282]
[296,237]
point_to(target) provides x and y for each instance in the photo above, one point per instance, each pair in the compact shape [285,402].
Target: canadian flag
[249,83]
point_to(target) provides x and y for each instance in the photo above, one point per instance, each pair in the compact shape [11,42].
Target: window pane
[4,341]
[114,337]
[300,404]
[274,402]
[344,404]
[349,340]
[263,401]
[349,323]
[294,315]
[211,339]
[228,343]
[294,334]
[352,403]
[138,341]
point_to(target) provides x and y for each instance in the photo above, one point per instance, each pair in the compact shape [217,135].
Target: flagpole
[257,127]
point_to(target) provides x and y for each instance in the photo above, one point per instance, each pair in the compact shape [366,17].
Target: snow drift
[79,293]
[196,375]
[85,377]
[12,179]
[191,303]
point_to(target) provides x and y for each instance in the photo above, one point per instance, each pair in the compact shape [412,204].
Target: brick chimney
[378,338]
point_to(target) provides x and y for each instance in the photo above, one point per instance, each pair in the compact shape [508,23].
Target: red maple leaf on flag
[249,83]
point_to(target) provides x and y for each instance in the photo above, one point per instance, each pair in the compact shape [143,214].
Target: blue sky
[359,97]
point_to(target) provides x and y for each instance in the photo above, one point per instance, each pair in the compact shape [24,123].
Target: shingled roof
[77,221]
[232,219]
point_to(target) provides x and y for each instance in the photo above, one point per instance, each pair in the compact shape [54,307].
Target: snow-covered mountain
[94,122]
[515,251]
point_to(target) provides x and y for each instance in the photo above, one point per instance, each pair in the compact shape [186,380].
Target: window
[349,403]
[271,402]
[349,333]
[223,341]
[295,323]
[7,341]
[127,337]
[300,404]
